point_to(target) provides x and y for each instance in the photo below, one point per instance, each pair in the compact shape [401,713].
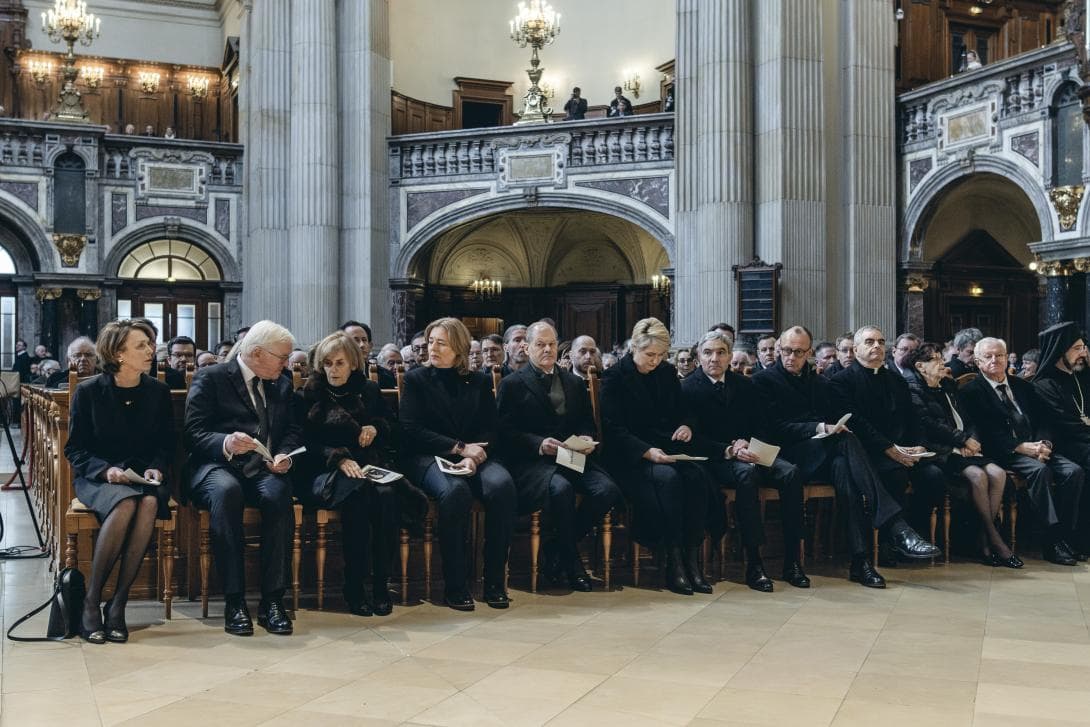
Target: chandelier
[68,22]
[536,25]
[486,288]
[661,285]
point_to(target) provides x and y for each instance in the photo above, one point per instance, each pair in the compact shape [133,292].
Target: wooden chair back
[594,385]
[399,374]
[497,377]
[372,370]
[297,379]
[161,371]
[190,371]
[966,378]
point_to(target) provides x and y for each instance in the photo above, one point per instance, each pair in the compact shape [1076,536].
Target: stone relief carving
[1027,145]
[917,170]
[651,191]
[530,162]
[477,260]
[70,246]
[144,211]
[592,263]
[419,205]
[171,173]
[223,217]
[1066,200]
[119,212]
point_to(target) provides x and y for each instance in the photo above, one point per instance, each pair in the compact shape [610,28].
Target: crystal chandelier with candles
[486,288]
[536,25]
[68,22]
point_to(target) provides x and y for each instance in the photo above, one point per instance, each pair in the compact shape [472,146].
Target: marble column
[49,334]
[88,318]
[869,174]
[790,154]
[1054,308]
[912,299]
[265,108]
[363,53]
[28,310]
[714,143]
[403,297]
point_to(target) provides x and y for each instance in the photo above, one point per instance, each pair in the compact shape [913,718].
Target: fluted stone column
[266,103]
[869,174]
[714,142]
[314,200]
[790,154]
[363,44]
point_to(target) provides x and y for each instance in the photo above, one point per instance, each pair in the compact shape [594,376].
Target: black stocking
[978,491]
[136,545]
[111,538]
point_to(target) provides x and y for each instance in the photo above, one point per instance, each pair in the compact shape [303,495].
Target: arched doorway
[975,244]
[176,285]
[590,272]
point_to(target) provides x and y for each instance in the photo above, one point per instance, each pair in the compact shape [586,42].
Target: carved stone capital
[1066,200]
[70,246]
[44,294]
[916,283]
[86,294]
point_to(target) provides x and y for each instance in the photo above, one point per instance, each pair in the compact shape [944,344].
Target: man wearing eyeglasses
[845,356]
[800,406]
[889,429]
[905,344]
[81,359]
[230,411]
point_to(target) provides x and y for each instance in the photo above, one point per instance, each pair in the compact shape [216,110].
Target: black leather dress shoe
[459,600]
[381,603]
[1012,562]
[1075,553]
[757,579]
[578,578]
[676,578]
[495,596]
[908,543]
[792,573]
[695,572]
[1056,554]
[236,620]
[863,572]
[274,618]
[116,630]
[359,607]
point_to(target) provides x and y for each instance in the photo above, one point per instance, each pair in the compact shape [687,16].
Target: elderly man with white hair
[232,411]
[81,359]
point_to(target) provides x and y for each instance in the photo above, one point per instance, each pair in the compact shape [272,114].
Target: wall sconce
[92,75]
[198,86]
[40,71]
[486,288]
[661,285]
[975,290]
[632,83]
[1035,263]
[234,83]
[149,81]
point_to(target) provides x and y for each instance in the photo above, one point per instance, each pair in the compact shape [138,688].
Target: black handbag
[66,609]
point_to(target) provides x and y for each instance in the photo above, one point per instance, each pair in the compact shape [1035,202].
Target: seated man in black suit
[81,359]
[728,413]
[1013,423]
[540,406]
[181,351]
[514,348]
[964,344]
[799,406]
[888,426]
[229,410]
[845,356]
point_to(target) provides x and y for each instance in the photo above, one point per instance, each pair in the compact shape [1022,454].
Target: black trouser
[1055,489]
[369,528]
[673,497]
[746,480]
[928,488]
[571,524]
[224,493]
[493,486]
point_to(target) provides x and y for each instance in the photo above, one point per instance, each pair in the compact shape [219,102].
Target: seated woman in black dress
[644,423]
[121,420]
[347,426]
[448,411]
[947,432]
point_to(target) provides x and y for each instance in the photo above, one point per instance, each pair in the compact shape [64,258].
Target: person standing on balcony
[576,107]
[619,106]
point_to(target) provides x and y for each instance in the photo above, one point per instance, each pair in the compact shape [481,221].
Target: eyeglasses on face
[794,352]
[282,359]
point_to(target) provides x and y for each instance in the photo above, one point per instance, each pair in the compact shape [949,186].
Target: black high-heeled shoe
[117,633]
[676,578]
[94,635]
[1012,562]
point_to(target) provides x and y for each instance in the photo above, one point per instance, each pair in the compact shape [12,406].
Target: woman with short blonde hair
[458,338]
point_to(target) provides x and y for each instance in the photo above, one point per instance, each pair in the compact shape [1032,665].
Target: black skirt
[955,463]
[102,497]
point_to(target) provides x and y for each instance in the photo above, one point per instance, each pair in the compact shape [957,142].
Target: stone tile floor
[943,645]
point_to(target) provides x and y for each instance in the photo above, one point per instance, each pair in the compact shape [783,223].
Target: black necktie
[262,412]
[1021,428]
[719,386]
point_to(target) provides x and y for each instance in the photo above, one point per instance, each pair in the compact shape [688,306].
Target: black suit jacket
[992,420]
[22,365]
[881,407]
[795,405]
[100,435]
[940,430]
[641,411]
[957,368]
[722,416]
[527,417]
[219,404]
[433,421]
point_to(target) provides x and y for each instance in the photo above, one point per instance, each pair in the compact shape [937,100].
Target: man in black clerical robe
[888,427]
[799,406]
[540,406]
[728,414]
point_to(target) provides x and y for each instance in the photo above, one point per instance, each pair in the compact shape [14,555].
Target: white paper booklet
[134,478]
[379,475]
[451,469]
[766,453]
[916,455]
[843,420]
[571,459]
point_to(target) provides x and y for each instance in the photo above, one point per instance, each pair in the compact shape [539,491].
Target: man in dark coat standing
[728,414]
[1014,423]
[229,411]
[540,406]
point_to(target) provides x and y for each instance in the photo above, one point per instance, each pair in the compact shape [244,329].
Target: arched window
[7,265]
[1067,129]
[169,260]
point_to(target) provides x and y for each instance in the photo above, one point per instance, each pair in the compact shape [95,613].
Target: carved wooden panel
[412,116]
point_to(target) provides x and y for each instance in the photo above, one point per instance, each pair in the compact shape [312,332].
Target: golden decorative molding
[915,283]
[70,246]
[44,294]
[88,293]
[1066,200]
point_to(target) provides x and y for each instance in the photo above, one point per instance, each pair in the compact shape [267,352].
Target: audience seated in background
[742,361]
[897,358]
[964,342]
[845,355]
[1030,360]
[182,351]
[584,354]
[169,133]
[81,359]
[389,357]
[419,344]
[475,356]
[766,352]
[514,349]
[609,360]
[298,356]
[684,362]
[206,359]
[491,352]
[408,357]
[824,356]
[726,328]
[222,349]
[619,106]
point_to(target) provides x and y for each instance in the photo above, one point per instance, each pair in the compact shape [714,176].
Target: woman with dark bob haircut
[449,412]
[121,420]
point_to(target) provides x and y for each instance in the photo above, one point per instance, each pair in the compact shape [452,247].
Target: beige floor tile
[55,707]
[912,654]
[1039,651]
[274,689]
[461,710]
[514,683]
[379,699]
[954,697]
[580,715]
[296,717]
[854,713]
[459,674]
[672,703]
[708,667]
[118,705]
[346,659]
[487,651]
[984,719]
[764,708]
[192,711]
[1032,703]
[181,678]
[1033,674]
[810,680]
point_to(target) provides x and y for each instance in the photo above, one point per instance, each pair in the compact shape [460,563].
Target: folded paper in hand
[269,457]
[840,422]
[579,444]
[766,453]
[452,469]
[136,479]
[914,455]
[379,475]
[688,458]
[571,459]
